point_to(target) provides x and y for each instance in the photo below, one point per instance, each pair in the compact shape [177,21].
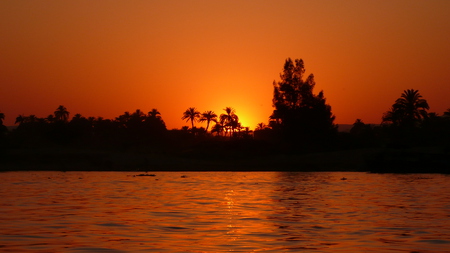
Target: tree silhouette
[218,128]
[19,119]
[50,118]
[77,116]
[61,114]
[447,113]
[300,115]
[136,118]
[153,123]
[123,119]
[80,128]
[32,118]
[260,126]
[191,114]
[2,117]
[358,126]
[229,120]
[208,116]
[408,110]
[154,113]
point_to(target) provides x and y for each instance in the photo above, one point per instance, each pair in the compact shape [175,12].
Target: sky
[102,58]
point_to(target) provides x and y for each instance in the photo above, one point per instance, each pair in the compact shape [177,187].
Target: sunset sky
[102,58]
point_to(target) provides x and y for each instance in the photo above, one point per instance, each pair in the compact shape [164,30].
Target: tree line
[302,120]
[129,128]
[226,124]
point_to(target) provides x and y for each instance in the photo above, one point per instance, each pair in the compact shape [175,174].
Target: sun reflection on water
[218,212]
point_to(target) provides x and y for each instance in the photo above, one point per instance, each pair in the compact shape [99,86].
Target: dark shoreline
[376,160]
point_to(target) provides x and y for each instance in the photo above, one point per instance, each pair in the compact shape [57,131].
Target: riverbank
[58,159]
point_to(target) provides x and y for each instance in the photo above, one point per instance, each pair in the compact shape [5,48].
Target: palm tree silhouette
[19,119]
[122,119]
[217,128]
[77,116]
[407,109]
[229,119]
[26,119]
[32,118]
[208,116]
[191,114]
[154,113]
[2,117]
[412,103]
[447,113]
[61,114]
[50,118]
[138,114]
[260,126]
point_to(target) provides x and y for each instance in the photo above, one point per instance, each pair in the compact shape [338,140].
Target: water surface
[224,211]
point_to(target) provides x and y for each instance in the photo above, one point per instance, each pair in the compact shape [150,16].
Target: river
[224,212]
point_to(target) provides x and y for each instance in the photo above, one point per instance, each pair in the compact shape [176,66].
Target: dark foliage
[302,117]
[127,130]
[408,110]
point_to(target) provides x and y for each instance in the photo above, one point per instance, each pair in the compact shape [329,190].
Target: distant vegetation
[301,122]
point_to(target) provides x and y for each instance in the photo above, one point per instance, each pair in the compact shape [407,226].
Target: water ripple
[223,211]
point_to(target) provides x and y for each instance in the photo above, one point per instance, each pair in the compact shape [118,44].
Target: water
[224,211]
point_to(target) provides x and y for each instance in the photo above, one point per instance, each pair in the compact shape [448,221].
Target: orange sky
[102,58]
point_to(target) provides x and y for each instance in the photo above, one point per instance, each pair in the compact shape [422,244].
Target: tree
[154,123]
[358,127]
[208,116]
[191,114]
[217,128]
[61,114]
[154,113]
[122,120]
[229,119]
[50,118]
[2,117]
[299,115]
[447,113]
[363,134]
[408,110]
[19,119]
[260,126]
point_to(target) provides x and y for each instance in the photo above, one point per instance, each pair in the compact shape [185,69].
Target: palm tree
[61,114]
[123,119]
[2,117]
[50,118]
[138,114]
[217,128]
[191,114]
[77,116]
[261,126]
[135,120]
[447,113]
[31,119]
[154,113]
[412,103]
[407,109]
[19,119]
[229,119]
[208,116]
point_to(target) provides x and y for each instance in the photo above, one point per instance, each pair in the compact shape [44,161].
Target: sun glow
[158,55]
